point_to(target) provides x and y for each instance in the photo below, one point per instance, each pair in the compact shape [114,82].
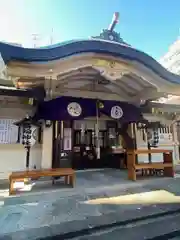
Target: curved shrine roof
[74,47]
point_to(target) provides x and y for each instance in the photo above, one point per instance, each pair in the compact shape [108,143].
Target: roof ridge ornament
[110,34]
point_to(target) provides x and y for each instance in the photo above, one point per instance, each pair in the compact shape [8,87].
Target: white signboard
[67,139]
[8,131]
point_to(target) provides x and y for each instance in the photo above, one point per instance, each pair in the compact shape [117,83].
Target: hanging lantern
[101,105]
[31,101]
[28,136]
[153,137]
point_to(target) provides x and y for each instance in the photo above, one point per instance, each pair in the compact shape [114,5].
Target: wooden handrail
[153,165]
[167,163]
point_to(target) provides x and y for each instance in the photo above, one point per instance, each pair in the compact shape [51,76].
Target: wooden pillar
[61,136]
[131,161]
[56,144]
[168,158]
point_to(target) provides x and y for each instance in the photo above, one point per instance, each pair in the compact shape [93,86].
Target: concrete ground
[165,228]
[100,198]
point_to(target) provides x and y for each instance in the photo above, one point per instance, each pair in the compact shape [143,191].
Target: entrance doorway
[74,145]
[85,142]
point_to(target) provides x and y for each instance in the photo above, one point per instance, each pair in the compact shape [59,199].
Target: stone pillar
[47,148]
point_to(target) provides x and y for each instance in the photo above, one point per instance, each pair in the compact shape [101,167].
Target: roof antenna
[35,38]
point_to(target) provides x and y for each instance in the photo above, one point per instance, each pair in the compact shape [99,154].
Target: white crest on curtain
[74,109]
[116,112]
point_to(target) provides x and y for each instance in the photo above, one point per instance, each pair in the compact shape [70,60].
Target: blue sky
[149,25]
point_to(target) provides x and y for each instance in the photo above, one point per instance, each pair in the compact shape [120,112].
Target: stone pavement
[48,211]
[160,228]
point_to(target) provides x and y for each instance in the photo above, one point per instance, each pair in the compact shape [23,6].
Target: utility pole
[35,38]
[51,36]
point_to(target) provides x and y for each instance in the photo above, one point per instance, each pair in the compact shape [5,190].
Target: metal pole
[27,157]
[97,130]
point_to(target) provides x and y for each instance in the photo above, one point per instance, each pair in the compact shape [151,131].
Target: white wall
[141,142]
[47,148]
[15,112]
[13,156]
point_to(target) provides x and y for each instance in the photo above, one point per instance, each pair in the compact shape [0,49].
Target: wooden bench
[67,173]
[166,166]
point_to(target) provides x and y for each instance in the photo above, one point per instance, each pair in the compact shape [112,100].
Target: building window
[11,134]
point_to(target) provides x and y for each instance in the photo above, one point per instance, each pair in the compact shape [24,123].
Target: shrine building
[93,99]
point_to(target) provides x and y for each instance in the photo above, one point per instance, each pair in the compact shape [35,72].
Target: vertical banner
[82,132]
